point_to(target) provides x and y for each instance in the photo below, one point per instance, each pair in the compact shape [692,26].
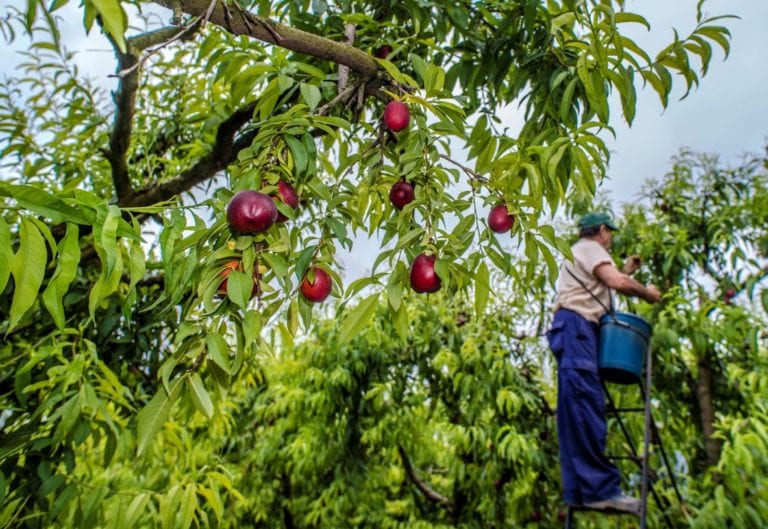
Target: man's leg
[588,475]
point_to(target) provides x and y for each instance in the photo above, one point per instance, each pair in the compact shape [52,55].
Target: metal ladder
[650,436]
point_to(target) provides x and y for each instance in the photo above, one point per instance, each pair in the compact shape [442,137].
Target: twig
[473,174]
[349,33]
[150,53]
[344,95]
[209,12]
[425,489]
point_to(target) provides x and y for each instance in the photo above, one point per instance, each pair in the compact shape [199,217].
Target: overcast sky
[727,114]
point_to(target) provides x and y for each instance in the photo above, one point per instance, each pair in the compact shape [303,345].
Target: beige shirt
[587,256]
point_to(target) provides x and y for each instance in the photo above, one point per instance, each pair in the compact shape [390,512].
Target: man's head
[598,226]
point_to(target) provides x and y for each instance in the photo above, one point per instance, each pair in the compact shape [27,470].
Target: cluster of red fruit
[423,276]
[250,212]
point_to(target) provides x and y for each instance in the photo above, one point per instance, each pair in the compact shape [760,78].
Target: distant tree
[703,235]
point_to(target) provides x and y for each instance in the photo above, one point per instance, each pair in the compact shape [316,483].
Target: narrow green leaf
[300,156]
[239,288]
[302,263]
[152,417]
[482,288]
[28,269]
[251,326]
[44,203]
[6,254]
[200,395]
[137,264]
[188,506]
[358,318]
[218,350]
[106,239]
[135,509]
[311,95]
[66,271]
[623,16]
[114,20]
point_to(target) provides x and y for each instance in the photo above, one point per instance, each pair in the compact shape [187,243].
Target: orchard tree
[150,237]
[702,234]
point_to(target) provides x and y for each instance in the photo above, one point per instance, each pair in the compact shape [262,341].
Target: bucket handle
[617,321]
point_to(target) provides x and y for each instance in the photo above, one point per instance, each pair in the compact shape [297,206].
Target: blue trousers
[587,474]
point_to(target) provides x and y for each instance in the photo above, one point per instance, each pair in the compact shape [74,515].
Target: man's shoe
[619,503]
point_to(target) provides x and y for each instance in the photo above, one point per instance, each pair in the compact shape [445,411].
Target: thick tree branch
[425,489]
[224,151]
[125,105]
[120,138]
[244,23]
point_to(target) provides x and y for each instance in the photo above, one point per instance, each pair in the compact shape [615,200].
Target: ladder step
[622,410]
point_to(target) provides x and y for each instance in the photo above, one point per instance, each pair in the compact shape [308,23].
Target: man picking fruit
[584,295]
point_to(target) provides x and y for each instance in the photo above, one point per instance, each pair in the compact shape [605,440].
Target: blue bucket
[622,347]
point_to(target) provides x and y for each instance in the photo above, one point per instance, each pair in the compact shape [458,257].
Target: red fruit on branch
[251,212]
[319,288]
[396,116]
[401,194]
[288,195]
[383,51]
[499,219]
[423,276]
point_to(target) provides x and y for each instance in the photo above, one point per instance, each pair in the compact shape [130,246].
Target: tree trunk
[704,394]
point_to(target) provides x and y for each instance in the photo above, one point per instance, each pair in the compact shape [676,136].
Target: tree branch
[120,138]
[425,489]
[224,151]
[279,34]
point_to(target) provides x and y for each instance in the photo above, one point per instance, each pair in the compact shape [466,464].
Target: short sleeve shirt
[587,256]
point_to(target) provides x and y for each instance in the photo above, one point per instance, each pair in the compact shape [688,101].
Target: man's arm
[620,282]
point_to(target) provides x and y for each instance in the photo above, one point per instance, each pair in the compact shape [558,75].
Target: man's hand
[632,264]
[653,294]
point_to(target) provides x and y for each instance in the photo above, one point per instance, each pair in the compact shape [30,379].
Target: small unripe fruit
[318,289]
[396,116]
[401,194]
[499,219]
[288,195]
[235,264]
[383,51]
[251,212]
[423,276]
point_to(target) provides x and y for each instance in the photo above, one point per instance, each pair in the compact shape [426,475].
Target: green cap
[595,219]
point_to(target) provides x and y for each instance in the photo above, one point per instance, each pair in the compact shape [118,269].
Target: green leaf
[107,237]
[358,318]
[623,16]
[200,395]
[152,417]
[44,203]
[66,271]
[239,288]
[137,262]
[6,254]
[188,506]
[28,269]
[311,95]
[300,156]
[218,350]
[114,20]
[482,288]
[302,263]
[135,509]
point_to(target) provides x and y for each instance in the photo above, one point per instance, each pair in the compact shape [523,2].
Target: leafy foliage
[139,392]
